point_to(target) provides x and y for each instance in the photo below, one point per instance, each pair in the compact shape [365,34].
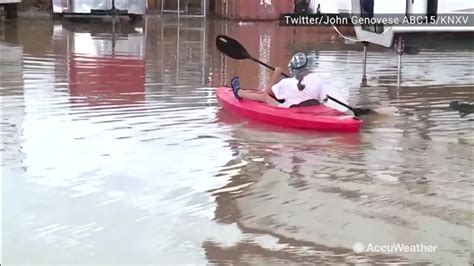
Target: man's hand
[279,70]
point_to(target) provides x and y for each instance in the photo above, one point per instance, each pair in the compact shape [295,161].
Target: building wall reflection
[105,64]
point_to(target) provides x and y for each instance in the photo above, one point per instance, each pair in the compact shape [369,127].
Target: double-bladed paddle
[234,49]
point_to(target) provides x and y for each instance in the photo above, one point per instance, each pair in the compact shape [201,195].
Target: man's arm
[276,77]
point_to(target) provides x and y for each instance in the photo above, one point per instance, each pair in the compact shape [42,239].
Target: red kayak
[318,117]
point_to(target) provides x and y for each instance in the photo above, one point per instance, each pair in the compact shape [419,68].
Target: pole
[364,64]
[400,48]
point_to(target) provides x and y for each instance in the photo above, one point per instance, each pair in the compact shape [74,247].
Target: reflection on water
[114,150]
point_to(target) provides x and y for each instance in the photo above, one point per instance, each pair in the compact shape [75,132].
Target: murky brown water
[115,150]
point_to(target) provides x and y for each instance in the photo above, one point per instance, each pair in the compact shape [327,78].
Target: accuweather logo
[359,247]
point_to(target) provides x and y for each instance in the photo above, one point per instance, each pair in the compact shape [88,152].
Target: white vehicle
[135,9]
[395,35]
[10,7]
[385,35]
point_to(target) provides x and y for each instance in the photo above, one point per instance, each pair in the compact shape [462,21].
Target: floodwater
[116,151]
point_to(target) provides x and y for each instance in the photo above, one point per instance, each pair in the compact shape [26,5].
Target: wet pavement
[115,150]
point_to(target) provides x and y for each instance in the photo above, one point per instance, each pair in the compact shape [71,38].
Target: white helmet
[298,61]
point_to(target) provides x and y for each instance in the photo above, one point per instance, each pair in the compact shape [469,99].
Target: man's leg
[255,96]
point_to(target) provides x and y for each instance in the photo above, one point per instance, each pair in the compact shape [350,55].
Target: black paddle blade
[231,47]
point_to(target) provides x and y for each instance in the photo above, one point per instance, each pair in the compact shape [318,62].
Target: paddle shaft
[343,104]
[266,65]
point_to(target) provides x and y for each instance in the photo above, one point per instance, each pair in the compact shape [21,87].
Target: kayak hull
[319,117]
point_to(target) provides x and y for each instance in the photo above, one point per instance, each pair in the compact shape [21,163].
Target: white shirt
[316,88]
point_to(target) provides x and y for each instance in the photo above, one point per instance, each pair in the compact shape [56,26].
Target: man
[303,86]
[301,89]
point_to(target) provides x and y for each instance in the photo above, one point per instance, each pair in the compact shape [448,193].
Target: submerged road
[115,150]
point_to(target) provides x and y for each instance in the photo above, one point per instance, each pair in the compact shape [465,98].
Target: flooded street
[116,151]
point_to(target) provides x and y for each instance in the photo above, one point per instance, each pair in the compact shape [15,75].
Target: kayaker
[303,87]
